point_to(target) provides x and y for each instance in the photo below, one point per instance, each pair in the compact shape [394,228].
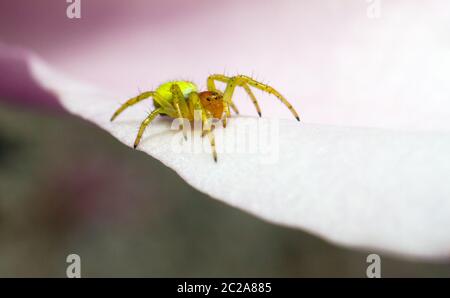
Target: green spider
[180,99]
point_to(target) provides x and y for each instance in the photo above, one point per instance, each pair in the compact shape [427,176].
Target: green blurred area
[67,187]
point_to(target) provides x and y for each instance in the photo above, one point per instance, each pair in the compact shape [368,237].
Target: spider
[179,99]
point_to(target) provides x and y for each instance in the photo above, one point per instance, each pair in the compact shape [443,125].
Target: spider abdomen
[186,88]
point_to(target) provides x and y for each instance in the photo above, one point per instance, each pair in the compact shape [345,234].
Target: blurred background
[67,187]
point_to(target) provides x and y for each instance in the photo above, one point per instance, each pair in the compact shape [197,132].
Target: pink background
[335,63]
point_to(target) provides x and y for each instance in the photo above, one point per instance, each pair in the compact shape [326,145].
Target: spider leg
[195,105]
[234,108]
[211,86]
[208,130]
[212,141]
[252,97]
[268,89]
[145,123]
[180,105]
[221,78]
[227,94]
[132,101]
[208,124]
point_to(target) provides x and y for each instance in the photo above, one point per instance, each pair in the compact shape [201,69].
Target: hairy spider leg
[211,86]
[233,106]
[168,108]
[195,105]
[212,141]
[225,79]
[208,123]
[180,101]
[145,123]
[270,90]
[180,105]
[207,130]
[253,98]
[242,79]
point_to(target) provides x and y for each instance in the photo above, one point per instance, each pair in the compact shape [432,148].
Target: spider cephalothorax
[212,102]
[180,99]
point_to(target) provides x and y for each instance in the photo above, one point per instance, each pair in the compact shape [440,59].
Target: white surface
[374,188]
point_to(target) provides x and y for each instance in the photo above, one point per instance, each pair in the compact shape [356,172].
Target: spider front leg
[224,79]
[144,124]
[241,79]
[212,142]
[211,86]
[227,95]
[234,108]
[195,105]
[207,130]
[208,123]
[253,98]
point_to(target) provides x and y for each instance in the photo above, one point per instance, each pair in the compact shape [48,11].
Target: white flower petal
[373,188]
